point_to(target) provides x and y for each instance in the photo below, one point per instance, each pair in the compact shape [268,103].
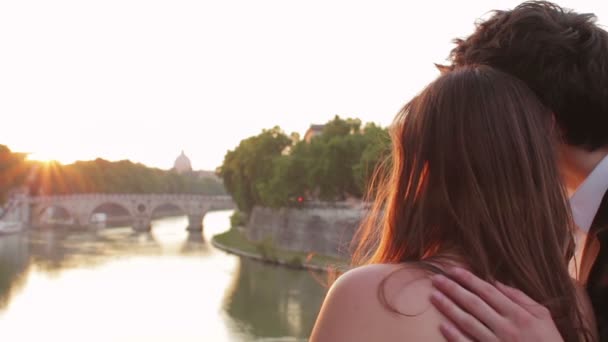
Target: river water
[167,285]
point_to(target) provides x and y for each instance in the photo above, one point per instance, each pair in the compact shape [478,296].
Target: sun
[40,157]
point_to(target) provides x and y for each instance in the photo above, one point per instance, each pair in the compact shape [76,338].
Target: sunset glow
[142,80]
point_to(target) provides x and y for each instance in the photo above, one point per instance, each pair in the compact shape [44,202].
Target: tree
[340,127]
[247,169]
[123,176]
[13,171]
[377,149]
[274,170]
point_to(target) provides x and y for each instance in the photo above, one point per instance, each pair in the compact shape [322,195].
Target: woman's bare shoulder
[378,302]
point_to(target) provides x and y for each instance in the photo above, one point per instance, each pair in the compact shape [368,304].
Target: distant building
[182,164]
[313,131]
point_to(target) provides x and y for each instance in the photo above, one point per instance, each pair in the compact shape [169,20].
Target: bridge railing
[92,196]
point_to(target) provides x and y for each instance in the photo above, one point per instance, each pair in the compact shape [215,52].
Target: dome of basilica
[182,164]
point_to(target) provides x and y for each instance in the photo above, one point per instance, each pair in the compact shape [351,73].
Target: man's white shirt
[586,201]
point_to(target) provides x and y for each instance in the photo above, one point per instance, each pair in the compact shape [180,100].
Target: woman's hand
[477,310]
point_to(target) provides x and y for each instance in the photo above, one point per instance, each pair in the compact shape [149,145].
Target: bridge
[139,207]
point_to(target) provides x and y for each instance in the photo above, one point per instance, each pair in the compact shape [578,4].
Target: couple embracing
[490,220]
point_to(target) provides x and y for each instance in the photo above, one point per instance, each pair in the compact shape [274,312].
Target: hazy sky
[144,79]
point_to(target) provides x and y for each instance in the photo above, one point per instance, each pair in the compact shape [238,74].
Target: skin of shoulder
[353,311]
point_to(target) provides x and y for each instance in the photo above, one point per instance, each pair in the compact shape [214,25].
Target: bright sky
[144,79]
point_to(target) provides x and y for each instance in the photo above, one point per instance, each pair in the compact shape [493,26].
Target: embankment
[327,229]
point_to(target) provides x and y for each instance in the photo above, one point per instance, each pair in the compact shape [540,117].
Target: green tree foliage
[274,170]
[123,176]
[248,168]
[340,128]
[97,176]
[13,170]
[377,150]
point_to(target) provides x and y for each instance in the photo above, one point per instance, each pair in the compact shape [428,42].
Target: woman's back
[354,310]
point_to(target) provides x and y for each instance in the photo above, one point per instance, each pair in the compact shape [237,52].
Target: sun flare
[40,157]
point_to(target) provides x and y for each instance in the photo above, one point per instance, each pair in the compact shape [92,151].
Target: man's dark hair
[562,55]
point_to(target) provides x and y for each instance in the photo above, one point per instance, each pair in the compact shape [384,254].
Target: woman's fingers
[501,303]
[469,302]
[452,334]
[467,324]
[521,318]
[535,309]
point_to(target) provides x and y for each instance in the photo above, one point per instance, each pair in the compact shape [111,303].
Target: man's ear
[443,69]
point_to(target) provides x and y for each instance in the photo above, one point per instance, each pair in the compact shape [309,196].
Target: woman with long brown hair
[472,182]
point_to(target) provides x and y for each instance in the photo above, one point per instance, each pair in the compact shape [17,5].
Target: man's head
[562,55]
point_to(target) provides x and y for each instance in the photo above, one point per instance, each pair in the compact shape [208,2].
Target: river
[167,285]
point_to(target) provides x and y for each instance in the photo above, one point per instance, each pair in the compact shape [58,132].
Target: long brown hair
[473,175]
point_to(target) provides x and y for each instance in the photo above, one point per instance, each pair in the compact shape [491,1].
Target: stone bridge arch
[140,207]
[108,205]
[41,211]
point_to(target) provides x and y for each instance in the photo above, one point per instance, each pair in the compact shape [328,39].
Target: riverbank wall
[281,262]
[324,228]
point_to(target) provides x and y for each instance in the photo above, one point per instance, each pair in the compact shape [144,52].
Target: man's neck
[578,164]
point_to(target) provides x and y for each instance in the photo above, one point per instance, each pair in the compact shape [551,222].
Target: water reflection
[273,302]
[195,245]
[14,263]
[165,285]
[53,250]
